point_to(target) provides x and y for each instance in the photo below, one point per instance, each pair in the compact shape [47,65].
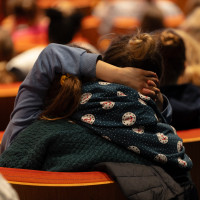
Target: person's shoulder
[52,46]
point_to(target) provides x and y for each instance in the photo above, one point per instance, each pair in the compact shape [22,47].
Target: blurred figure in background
[108,11]
[26,23]
[6,53]
[184,98]
[152,19]
[64,25]
[191,24]
[173,15]
[192,71]
[65,22]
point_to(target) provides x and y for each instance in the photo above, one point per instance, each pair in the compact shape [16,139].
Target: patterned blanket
[128,118]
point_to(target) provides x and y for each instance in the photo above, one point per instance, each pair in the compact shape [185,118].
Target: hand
[138,80]
[157,95]
[133,77]
[151,90]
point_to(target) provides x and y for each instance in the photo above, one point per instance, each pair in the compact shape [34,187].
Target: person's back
[184,98]
[152,19]
[65,22]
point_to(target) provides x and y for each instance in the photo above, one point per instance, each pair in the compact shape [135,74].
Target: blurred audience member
[64,25]
[107,11]
[6,53]
[184,98]
[65,22]
[173,15]
[6,46]
[192,71]
[152,19]
[190,6]
[26,23]
[191,24]
[191,75]
[192,47]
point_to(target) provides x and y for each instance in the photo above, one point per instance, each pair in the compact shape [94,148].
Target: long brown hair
[172,49]
[139,50]
[63,97]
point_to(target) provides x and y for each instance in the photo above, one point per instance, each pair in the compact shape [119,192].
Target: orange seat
[40,185]
[9,90]
[190,135]
[89,29]
[191,139]
[1,135]
[125,25]
[46,3]
[173,21]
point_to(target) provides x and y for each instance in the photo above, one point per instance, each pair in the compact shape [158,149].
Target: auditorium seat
[125,25]
[40,185]
[191,140]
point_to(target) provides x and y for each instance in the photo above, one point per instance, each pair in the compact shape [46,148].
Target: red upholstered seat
[173,21]
[190,135]
[125,25]
[9,90]
[1,135]
[41,185]
[191,140]
[45,178]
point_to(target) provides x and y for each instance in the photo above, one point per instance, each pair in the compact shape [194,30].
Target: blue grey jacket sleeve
[55,58]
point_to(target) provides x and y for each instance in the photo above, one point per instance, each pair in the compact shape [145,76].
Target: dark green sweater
[63,146]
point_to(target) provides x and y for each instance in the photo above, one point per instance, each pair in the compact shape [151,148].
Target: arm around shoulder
[55,58]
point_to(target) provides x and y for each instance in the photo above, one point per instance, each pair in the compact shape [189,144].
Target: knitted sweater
[62,146]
